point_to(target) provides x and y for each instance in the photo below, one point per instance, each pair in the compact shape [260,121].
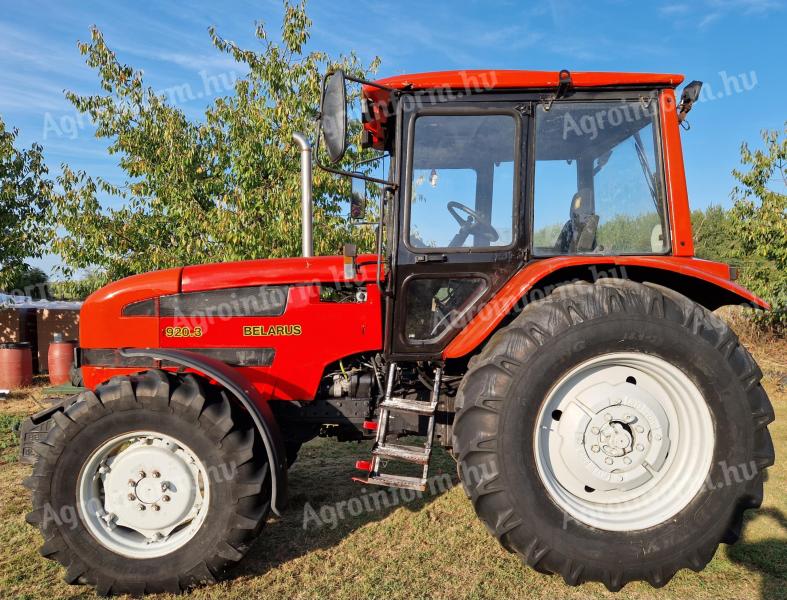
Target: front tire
[614,432]
[155,483]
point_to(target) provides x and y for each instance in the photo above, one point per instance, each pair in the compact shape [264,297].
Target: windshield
[597,179]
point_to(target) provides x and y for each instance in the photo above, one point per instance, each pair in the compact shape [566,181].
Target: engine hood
[276,271]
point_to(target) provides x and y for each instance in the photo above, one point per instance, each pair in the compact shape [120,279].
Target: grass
[432,547]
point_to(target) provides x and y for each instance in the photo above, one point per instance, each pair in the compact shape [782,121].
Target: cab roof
[490,79]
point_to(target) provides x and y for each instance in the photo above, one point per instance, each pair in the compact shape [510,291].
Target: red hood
[275,271]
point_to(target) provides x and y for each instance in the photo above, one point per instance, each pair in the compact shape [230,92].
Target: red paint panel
[508,79]
[677,195]
[496,309]
[101,324]
[308,336]
[275,271]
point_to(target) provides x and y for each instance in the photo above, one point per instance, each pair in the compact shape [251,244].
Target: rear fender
[706,282]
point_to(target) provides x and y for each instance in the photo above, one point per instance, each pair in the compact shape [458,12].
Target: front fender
[249,398]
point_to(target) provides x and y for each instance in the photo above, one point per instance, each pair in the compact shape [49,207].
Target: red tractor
[533,304]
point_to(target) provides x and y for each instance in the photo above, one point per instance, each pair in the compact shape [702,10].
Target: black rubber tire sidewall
[704,519]
[64,494]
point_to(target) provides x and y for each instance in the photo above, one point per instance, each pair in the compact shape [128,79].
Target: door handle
[431,258]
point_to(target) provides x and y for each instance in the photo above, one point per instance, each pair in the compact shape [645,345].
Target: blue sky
[736,47]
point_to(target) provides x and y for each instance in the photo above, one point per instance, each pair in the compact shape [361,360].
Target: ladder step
[397,481]
[413,454]
[414,406]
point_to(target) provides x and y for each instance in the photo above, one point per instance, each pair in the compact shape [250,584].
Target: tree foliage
[759,222]
[24,195]
[225,187]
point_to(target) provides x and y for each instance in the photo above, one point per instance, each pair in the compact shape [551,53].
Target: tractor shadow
[326,505]
[766,557]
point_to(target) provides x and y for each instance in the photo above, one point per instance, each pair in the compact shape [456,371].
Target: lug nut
[142,474]
[608,460]
[627,460]
[640,429]
[594,430]
[156,507]
[156,474]
[140,507]
[166,498]
[608,417]
[132,483]
[595,448]
[640,447]
[132,497]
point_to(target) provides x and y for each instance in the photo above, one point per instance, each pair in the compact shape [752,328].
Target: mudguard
[249,398]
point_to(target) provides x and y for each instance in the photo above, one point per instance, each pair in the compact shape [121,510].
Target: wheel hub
[154,496]
[610,437]
[624,440]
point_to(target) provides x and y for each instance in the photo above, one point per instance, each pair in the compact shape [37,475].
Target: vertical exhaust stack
[306,193]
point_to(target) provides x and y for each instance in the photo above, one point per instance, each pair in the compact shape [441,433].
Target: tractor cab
[491,170]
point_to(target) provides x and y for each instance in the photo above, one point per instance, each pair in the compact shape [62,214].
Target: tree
[24,196]
[759,223]
[713,235]
[224,188]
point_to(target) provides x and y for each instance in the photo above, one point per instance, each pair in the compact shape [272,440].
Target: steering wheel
[474,224]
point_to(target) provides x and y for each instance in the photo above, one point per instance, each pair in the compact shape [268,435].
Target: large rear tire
[614,432]
[155,483]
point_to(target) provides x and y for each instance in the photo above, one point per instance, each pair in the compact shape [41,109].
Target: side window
[462,182]
[435,305]
[598,180]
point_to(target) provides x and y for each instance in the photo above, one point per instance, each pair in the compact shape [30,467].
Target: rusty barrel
[60,357]
[16,365]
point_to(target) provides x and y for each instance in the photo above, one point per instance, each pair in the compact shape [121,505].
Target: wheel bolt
[132,497]
[156,474]
[595,448]
[140,507]
[142,474]
[156,507]
[166,498]
[132,483]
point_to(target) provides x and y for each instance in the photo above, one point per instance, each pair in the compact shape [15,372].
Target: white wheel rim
[143,494]
[624,441]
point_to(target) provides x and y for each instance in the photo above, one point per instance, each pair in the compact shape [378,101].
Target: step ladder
[383,450]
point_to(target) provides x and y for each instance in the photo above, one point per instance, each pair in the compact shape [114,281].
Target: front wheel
[614,432]
[155,483]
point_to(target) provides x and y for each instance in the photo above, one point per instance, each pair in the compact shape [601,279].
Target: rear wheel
[614,432]
[155,483]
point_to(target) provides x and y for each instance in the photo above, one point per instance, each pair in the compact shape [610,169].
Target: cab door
[461,216]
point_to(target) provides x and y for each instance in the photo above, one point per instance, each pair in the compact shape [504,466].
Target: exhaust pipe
[306,193]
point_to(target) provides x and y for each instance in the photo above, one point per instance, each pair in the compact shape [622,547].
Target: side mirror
[358,199]
[687,99]
[333,115]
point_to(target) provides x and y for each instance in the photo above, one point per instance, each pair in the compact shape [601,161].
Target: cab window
[462,182]
[598,186]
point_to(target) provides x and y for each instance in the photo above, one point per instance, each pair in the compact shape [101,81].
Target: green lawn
[431,547]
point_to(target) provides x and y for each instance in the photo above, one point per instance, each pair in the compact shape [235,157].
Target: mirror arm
[355,175]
